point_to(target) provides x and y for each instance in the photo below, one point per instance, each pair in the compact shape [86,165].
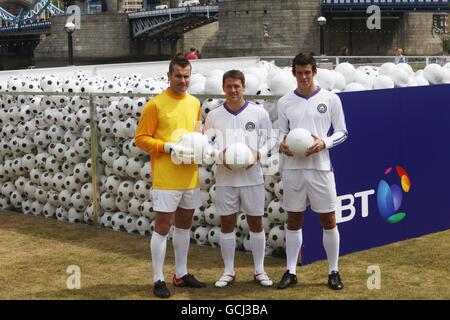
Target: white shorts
[230,200]
[303,187]
[170,200]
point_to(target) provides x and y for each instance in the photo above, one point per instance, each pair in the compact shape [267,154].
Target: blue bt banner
[392,174]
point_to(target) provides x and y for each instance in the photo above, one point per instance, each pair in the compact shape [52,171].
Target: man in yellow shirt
[176,192]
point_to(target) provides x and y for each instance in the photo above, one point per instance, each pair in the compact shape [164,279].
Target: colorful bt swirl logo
[389,197]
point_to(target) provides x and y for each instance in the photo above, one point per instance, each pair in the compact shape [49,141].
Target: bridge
[331,6]
[155,22]
[151,23]
[31,11]
[27,28]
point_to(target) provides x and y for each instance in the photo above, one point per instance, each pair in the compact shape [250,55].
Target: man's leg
[227,204]
[257,242]
[324,201]
[228,242]
[258,246]
[181,239]
[158,243]
[331,241]
[294,239]
[295,202]
[252,199]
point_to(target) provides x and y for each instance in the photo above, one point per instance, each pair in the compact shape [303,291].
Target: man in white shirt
[310,180]
[240,121]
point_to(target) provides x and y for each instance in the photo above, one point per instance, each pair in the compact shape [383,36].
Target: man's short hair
[179,61]
[303,59]
[235,74]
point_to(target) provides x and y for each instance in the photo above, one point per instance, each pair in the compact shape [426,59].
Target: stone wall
[410,31]
[353,33]
[258,27]
[416,37]
[197,37]
[154,49]
[291,27]
[103,36]
[245,28]
[166,48]
[112,5]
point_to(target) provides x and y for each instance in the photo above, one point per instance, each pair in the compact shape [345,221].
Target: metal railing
[93,124]
[174,11]
[26,27]
[386,5]
[414,61]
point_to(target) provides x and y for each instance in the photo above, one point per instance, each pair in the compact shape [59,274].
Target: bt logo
[389,200]
[389,197]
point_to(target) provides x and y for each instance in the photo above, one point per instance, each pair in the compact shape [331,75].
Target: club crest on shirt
[250,126]
[322,108]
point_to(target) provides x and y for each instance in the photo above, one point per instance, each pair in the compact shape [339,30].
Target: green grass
[35,253]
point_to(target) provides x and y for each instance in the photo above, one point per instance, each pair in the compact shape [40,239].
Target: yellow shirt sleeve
[145,131]
[198,125]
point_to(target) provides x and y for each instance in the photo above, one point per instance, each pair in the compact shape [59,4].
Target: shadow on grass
[98,238]
[242,291]
[99,292]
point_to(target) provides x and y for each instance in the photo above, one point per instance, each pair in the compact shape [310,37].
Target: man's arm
[338,122]
[269,137]
[198,124]
[145,131]
[211,133]
[283,123]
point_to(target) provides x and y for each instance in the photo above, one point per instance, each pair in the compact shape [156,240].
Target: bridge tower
[409,30]
[286,27]
[264,27]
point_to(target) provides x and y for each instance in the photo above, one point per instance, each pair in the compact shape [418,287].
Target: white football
[238,156]
[299,140]
[199,144]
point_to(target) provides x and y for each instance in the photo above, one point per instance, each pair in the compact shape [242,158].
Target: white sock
[331,245]
[258,246]
[228,247]
[181,240]
[294,240]
[158,245]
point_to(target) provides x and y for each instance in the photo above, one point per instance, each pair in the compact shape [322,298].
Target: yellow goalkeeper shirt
[166,118]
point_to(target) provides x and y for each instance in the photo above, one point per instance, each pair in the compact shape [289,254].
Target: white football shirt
[316,113]
[251,125]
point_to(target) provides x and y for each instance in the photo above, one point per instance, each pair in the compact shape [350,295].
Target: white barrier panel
[146,69]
